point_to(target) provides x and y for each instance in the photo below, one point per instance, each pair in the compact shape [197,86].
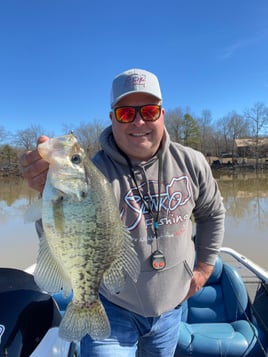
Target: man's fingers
[34,168]
[42,139]
[29,157]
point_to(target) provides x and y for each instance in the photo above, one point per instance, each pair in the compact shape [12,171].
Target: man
[160,187]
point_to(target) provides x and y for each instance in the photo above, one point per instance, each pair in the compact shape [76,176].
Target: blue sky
[58,57]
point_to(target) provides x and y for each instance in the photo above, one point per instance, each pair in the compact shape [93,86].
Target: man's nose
[138,119]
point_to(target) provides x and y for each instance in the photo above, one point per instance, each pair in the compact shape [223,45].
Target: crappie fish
[84,240]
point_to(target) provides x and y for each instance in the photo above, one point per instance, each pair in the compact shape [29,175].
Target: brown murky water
[246,201]
[246,230]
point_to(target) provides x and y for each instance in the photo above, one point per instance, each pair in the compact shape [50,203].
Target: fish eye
[76,159]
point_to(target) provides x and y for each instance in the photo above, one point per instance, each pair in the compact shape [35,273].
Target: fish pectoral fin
[129,258]
[48,274]
[114,278]
[33,212]
[81,320]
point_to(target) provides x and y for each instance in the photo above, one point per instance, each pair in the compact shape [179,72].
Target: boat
[29,318]
[227,317]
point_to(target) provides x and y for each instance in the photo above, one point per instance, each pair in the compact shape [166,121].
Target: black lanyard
[148,205]
[158,260]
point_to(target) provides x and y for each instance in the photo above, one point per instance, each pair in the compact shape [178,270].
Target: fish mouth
[47,148]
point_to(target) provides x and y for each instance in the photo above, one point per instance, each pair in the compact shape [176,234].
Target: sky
[59,57]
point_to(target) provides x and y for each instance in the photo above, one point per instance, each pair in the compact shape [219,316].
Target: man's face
[139,139]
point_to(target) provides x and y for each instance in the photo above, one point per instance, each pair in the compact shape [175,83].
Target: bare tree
[236,127]
[173,123]
[182,127]
[222,134]
[207,134]
[88,135]
[27,138]
[216,143]
[257,117]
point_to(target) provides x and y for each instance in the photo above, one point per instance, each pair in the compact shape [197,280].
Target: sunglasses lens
[125,114]
[150,112]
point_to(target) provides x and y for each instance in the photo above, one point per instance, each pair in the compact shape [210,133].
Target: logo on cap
[135,80]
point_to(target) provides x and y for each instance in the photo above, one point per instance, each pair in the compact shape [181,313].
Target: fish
[84,241]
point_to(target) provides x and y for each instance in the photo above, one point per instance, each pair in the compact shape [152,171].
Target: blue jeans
[133,335]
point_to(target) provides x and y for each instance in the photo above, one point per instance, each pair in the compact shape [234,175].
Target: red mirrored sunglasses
[127,114]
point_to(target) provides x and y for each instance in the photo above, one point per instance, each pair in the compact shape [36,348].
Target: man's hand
[34,168]
[201,274]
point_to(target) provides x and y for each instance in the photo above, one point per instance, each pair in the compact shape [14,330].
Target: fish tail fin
[79,321]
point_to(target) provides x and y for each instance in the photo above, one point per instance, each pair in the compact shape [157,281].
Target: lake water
[246,230]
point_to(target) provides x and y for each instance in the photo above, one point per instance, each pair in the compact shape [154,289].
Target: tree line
[218,136]
[211,137]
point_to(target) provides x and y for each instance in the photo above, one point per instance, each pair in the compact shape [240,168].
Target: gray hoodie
[187,193]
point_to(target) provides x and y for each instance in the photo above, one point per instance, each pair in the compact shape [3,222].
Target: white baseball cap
[134,81]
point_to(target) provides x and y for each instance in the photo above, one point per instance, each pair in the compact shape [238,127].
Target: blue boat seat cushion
[215,319]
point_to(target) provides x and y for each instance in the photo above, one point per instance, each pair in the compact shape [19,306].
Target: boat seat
[26,313]
[215,320]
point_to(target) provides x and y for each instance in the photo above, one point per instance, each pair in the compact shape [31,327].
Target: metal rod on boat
[256,269]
